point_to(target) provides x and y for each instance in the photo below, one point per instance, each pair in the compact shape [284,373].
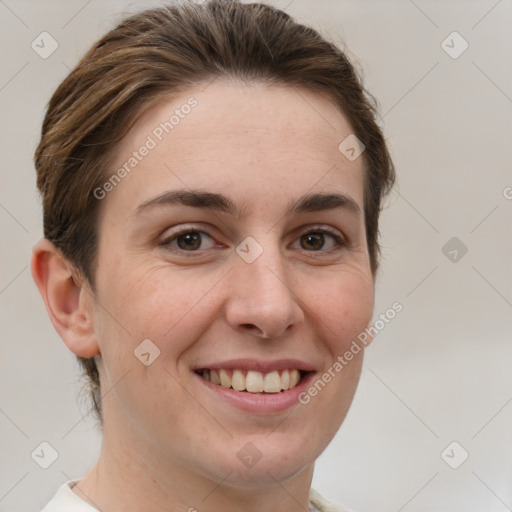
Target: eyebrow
[219,202]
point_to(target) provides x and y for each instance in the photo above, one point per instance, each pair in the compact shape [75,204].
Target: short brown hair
[163,51]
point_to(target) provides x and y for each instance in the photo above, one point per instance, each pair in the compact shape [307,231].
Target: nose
[262,301]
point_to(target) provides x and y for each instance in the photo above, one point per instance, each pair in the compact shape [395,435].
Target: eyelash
[339,241]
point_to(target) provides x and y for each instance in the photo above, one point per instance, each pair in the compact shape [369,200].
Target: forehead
[246,138]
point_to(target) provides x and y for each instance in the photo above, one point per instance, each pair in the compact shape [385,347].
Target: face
[236,245]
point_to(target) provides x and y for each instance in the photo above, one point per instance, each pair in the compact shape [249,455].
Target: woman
[212,177]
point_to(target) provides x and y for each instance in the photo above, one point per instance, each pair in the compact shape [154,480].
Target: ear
[68,298]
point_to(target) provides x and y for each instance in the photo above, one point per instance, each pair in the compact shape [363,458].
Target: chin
[255,462]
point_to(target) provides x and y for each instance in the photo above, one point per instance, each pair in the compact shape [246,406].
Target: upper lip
[257,365]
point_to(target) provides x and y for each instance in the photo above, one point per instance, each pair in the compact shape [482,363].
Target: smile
[252,381]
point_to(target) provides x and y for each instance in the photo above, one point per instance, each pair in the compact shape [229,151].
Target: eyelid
[185,228]
[314,228]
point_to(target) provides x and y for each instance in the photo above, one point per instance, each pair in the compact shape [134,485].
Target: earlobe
[67,299]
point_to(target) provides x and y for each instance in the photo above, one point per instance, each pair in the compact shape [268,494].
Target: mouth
[254,385]
[253,381]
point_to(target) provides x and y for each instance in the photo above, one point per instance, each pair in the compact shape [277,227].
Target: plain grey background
[439,372]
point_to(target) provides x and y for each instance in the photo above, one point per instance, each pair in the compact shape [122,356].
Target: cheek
[343,306]
[160,304]
[171,308]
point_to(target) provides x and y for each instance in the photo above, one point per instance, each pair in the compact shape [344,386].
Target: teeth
[272,383]
[285,380]
[214,377]
[238,381]
[294,378]
[225,379]
[253,381]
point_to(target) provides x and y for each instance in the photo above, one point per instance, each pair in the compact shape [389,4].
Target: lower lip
[260,402]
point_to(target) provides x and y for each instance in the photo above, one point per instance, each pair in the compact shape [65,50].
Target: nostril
[254,328]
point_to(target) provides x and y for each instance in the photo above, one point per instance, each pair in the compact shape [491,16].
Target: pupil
[315,240]
[189,241]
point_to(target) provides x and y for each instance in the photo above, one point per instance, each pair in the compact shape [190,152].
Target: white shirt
[65,500]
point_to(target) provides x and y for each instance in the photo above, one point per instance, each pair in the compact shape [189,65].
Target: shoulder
[65,500]
[322,505]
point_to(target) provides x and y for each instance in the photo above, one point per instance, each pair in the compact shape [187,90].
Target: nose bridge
[267,274]
[262,297]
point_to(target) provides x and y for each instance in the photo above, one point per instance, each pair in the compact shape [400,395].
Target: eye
[190,240]
[320,239]
[194,240]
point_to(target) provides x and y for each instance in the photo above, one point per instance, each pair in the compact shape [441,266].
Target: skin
[167,445]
